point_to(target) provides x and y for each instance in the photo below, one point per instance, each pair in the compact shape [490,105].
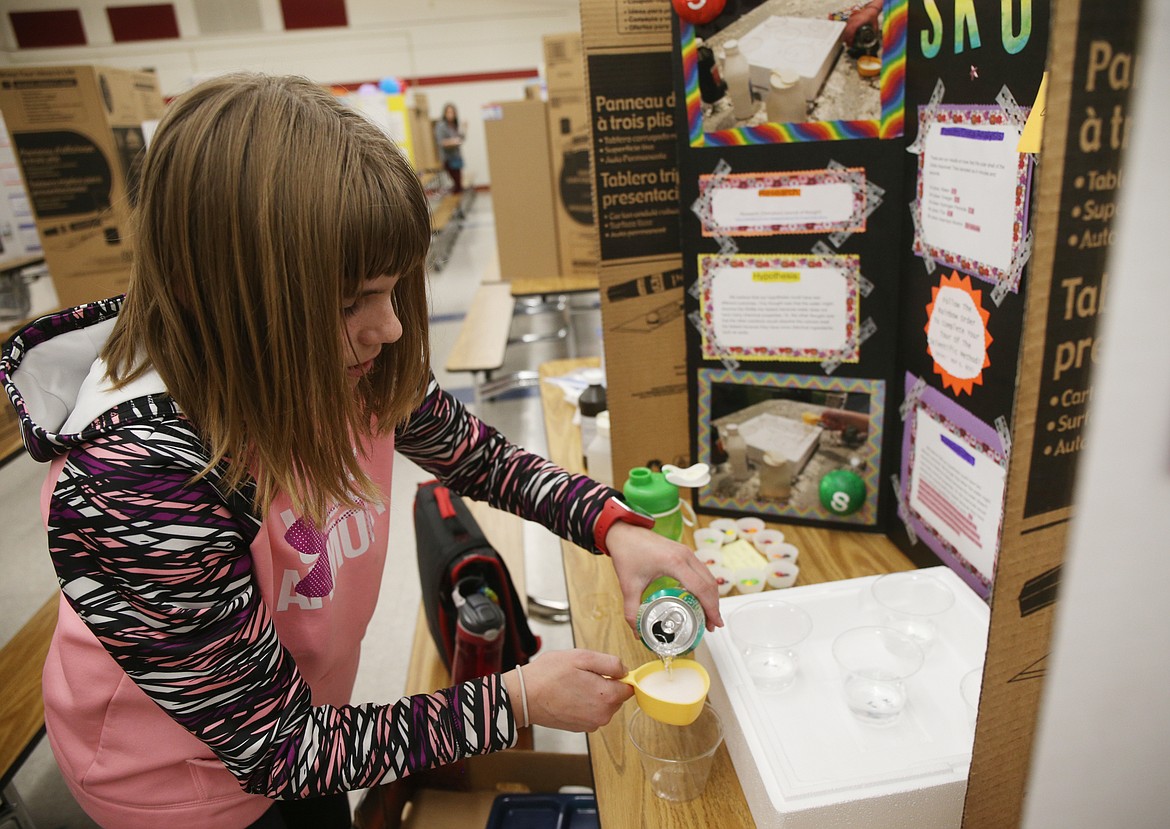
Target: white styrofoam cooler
[809,45]
[806,763]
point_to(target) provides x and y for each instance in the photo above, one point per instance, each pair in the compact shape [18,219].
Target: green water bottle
[649,493]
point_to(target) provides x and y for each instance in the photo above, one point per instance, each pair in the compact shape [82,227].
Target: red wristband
[615,510]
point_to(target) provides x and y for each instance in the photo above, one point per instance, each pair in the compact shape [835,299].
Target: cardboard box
[645,363]
[572,177]
[572,170]
[520,169]
[564,62]
[447,798]
[1040,500]
[18,232]
[422,132]
[628,54]
[77,136]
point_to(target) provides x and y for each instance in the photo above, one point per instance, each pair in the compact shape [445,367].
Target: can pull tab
[665,629]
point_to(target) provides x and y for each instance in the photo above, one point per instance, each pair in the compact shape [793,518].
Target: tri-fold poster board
[855,279]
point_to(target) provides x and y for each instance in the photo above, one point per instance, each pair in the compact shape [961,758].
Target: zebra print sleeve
[159,569]
[475,460]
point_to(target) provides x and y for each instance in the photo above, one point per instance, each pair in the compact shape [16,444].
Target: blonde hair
[264,203]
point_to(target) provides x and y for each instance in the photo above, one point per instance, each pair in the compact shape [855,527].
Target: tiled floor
[29,576]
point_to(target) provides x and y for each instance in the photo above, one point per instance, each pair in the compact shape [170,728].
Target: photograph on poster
[954,474]
[771,439]
[772,71]
[770,204]
[956,333]
[971,209]
[802,308]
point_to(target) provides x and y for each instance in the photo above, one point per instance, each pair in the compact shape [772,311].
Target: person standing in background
[449,136]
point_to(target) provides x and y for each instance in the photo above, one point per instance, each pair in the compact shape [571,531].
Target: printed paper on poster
[956,490]
[972,191]
[764,204]
[801,308]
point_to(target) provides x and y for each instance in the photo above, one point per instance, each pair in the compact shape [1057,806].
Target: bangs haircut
[264,204]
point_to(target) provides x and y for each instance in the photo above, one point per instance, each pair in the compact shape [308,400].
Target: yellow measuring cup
[676,699]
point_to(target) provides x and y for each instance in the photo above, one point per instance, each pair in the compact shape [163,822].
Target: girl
[221,445]
[449,136]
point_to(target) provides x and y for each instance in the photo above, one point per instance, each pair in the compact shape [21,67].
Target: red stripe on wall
[313,14]
[478,77]
[35,30]
[436,80]
[129,23]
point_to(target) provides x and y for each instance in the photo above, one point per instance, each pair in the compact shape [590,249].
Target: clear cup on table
[767,633]
[970,687]
[911,603]
[677,759]
[876,662]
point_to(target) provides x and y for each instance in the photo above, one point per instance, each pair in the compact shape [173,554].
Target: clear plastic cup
[677,759]
[876,662]
[970,686]
[910,603]
[767,632]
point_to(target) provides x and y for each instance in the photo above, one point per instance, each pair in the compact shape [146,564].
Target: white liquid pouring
[680,685]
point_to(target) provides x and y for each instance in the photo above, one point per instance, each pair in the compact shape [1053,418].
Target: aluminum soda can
[671,620]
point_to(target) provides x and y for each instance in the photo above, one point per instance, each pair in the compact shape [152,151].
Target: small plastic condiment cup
[709,556]
[708,538]
[767,538]
[727,527]
[672,712]
[782,574]
[747,527]
[724,578]
[750,579]
[782,552]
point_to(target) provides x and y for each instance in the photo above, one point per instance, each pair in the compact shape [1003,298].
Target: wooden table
[623,796]
[22,710]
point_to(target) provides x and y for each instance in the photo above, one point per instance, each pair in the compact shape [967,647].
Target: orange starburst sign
[956,333]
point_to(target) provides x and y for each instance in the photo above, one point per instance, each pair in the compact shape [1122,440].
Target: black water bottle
[479,638]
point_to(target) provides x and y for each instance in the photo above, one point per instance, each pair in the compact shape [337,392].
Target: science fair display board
[855,266]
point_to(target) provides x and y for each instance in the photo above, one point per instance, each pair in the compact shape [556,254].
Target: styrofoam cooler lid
[806,747]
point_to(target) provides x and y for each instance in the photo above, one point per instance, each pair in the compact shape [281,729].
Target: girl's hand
[640,555]
[570,690]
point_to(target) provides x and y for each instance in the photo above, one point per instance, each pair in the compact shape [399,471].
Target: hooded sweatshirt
[205,654]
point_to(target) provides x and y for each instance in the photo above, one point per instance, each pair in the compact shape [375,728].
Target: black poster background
[878,248]
[971,76]
[634,166]
[1106,44]
[902,286]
